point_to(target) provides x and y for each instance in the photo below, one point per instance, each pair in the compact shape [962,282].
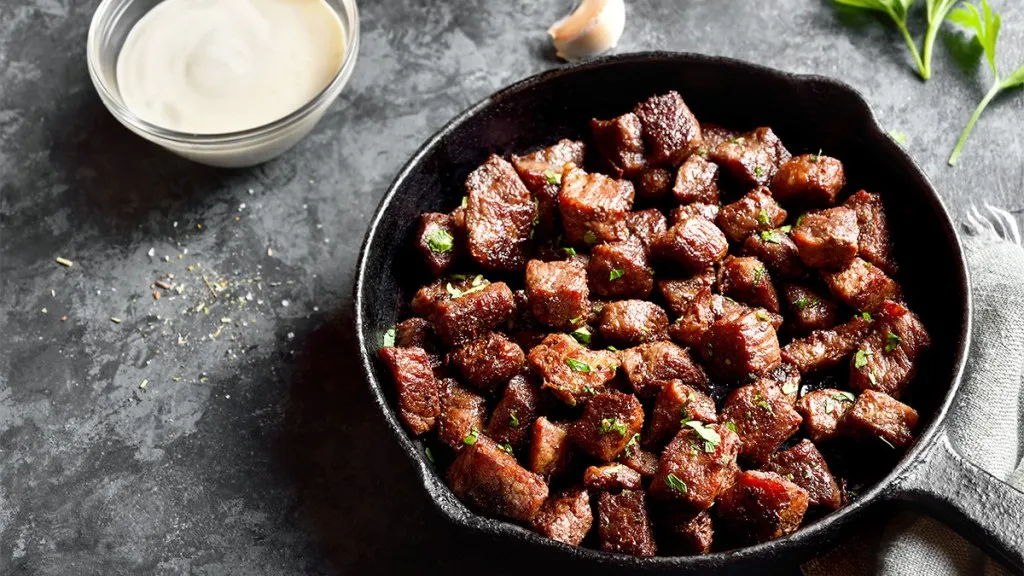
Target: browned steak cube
[558,292]
[670,130]
[809,309]
[473,313]
[695,210]
[571,372]
[755,212]
[746,279]
[654,184]
[645,226]
[418,391]
[608,423]
[822,410]
[513,417]
[489,361]
[620,141]
[684,533]
[424,302]
[679,294]
[612,478]
[620,270]
[415,332]
[500,213]
[761,506]
[647,365]
[693,244]
[565,516]
[809,181]
[778,251]
[787,379]
[463,414]
[623,523]
[644,462]
[541,171]
[827,238]
[804,466]
[886,360]
[490,481]
[593,207]
[714,136]
[691,329]
[764,418]
[696,466]
[675,403]
[522,326]
[862,286]
[459,218]
[878,415]
[741,345]
[633,322]
[550,447]
[823,349]
[873,241]
[439,242]
[753,158]
[696,181]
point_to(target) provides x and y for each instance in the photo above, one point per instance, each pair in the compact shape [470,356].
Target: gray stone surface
[254,448]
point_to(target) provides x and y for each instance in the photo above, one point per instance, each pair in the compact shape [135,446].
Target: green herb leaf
[477,285]
[889,444]
[801,303]
[675,483]
[830,404]
[871,377]
[632,445]
[465,201]
[507,448]
[589,238]
[844,396]
[865,315]
[470,438]
[582,335]
[758,171]
[578,366]
[892,341]
[513,420]
[569,251]
[730,426]
[613,424]
[616,273]
[799,220]
[770,236]
[787,228]
[860,359]
[552,177]
[757,276]
[576,320]
[790,387]
[440,241]
[762,217]
[1015,79]
[760,402]
[389,337]
[737,140]
[613,348]
[710,437]
[430,455]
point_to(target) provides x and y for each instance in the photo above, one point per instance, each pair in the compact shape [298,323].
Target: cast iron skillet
[808,113]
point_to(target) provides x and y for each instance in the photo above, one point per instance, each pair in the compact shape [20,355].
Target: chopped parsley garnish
[513,420]
[465,201]
[762,217]
[575,320]
[430,454]
[616,273]
[569,251]
[582,335]
[552,177]
[737,140]
[589,238]
[830,404]
[889,444]
[507,448]
[790,387]
[440,241]
[758,171]
[578,366]
[871,377]
[865,315]
[892,342]
[800,219]
[477,285]
[757,276]
[770,236]
[675,483]
[760,402]
[631,446]
[613,348]
[787,228]
[702,152]
[730,426]
[470,438]
[710,437]
[761,315]
[389,337]
[860,359]
[613,424]
[844,396]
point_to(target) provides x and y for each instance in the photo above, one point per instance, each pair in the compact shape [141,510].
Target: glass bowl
[110,26]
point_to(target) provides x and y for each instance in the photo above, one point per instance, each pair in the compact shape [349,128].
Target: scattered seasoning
[470,438]
[892,341]
[790,387]
[162,284]
[176,378]
[430,455]
[616,273]
[270,251]
[44,310]
[887,443]
[440,241]
[632,445]
[582,335]
[730,426]
[675,483]
[115,319]
[389,337]
[552,177]
[613,424]
[758,171]
[760,402]
[142,385]
[477,286]
[589,238]
[65,262]
[578,366]
[860,359]
[513,420]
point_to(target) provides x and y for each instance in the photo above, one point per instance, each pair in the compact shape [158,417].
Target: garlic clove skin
[593,28]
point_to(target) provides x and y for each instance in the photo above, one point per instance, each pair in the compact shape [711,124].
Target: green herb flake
[892,342]
[770,236]
[389,337]
[675,483]
[589,238]
[507,448]
[576,320]
[613,349]
[830,405]
[440,241]
[470,438]
[787,228]
[762,217]
[731,426]
[613,424]
[582,335]
[465,201]
[430,455]
[616,273]
[871,377]
[578,366]
[887,443]
[759,171]
[710,437]
[761,403]
[758,274]
[801,303]
[865,315]
[569,251]
[844,396]
[790,387]
[552,177]
[513,420]
[799,220]
[860,359]
[632,445]
[761,315]
[737,140]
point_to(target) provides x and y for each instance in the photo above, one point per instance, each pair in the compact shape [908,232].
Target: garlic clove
[594,27]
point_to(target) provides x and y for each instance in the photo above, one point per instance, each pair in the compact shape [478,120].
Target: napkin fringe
[998,226]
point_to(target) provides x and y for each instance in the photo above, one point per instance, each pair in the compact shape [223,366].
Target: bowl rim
[821,530]
[348,13]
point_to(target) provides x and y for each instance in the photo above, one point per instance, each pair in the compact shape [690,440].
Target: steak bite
[593,207]
[550,447]
[740,345]
[878,415]
[541,171]
[473,312]
[462,412]
[522,326]
[424,302]
[670,130]
[827,238]
[696,466]
[565,517]
[761,506]
[633,322]
[571,372]
[557,292]
[418,391]
[756,211]
[693,244]
[500,213]
[620,270]
[645,226]
[714,136]
[862,286]
[513,417]
[746,279]
[809,181]
[823,349]
[695,210]
[439,241]
[489,361]
[804,466]
[787,379]
[886,360]
[654,184]
[684,533]
[415,333]
[623,524]
[763,417]
[778,251]
[490,481]
[822,410]
[646,366]
[873,242]
[611,478]
[696,181]
[620,142]
[753,158]
[608,423]
[676,403]
[809,309]
[691,329]
[680,294]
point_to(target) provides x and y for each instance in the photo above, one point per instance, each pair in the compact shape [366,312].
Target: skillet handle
[979,506]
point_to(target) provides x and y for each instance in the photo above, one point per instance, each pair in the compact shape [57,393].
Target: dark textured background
[254,447]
